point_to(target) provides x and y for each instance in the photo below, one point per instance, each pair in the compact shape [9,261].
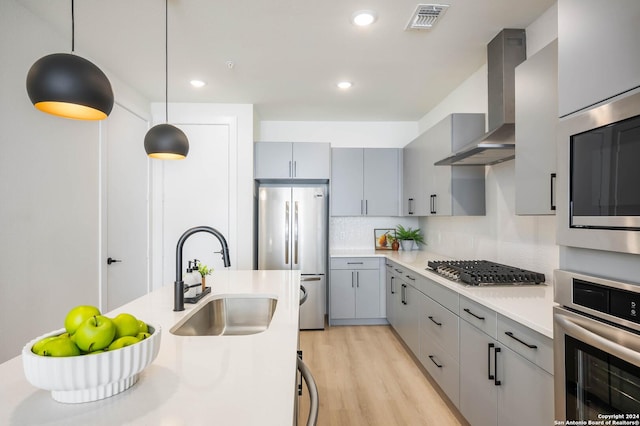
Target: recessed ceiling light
[345,84]
[363,18]
[198,83]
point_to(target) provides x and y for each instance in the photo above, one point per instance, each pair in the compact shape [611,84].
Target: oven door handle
[593,339]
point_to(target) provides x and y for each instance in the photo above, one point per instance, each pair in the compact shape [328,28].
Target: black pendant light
[164,141]
[69,86]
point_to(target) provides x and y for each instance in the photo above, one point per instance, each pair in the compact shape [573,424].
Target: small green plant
[403,233]
[204,269]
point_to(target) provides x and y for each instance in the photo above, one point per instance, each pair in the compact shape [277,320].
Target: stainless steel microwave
[599,189]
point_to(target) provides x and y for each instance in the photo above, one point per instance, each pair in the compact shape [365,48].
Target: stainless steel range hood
[504,53]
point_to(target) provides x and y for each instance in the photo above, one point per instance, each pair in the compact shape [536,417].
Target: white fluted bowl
[87,378]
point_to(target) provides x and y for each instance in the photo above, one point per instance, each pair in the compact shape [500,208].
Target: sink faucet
[178,292]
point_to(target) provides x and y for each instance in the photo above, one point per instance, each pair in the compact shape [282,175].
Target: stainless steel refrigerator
[292,234]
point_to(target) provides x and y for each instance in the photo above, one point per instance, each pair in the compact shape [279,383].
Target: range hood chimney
[507,50]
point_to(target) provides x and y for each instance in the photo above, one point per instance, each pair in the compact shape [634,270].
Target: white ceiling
[289,54]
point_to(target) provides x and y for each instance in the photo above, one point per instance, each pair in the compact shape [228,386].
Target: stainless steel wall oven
[596,349]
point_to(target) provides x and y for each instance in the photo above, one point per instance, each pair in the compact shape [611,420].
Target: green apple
[122,342]
[143,328]
[126,325]
[78,315]
[95,333]
[59,347]
[142,335]
[37,347]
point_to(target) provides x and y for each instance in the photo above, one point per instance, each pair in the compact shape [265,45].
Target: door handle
[295,233]
[393,289]
[352,279]
[366,207]
[112,260]
[410,206]
[295,169]
[553,191]
[286,233]
[357,279]
[489,375]
[496,382]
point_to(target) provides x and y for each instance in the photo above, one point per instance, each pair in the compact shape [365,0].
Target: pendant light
[164,141]
[69,86]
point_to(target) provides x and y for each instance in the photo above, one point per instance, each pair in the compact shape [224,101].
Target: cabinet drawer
[444,296]
[355,263]
[442,367]
[478,315]
[440,325]
[520,339]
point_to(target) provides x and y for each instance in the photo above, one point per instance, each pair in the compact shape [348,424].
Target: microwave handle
[553,192]
[595,340]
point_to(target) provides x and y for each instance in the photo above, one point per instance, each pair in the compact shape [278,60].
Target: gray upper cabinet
[598,55]
[536,121]
[365,181]
[431,190]
[292,160]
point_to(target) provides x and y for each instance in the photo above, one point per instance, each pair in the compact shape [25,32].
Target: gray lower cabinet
[499,384]
[356,291]
[292,160]
[537,117]
[365,181]
[407,316]
[390,292]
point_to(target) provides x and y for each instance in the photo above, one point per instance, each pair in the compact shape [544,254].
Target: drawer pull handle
[510,334]
[467,310]
[431,357]
[434,321]
[354,263]
[411,278]
[398,271]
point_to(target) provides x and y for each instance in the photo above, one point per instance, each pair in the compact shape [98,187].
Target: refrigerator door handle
[295,234]
[286,233]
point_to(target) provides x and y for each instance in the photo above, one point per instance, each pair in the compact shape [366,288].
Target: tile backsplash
[357,232]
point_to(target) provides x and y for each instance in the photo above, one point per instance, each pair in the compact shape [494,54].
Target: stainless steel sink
[228,316]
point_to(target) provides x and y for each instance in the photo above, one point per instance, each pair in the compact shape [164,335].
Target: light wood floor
[366,377]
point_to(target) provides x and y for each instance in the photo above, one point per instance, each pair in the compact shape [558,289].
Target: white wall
[239,119]
[501,236]
[50,191]
[355,134]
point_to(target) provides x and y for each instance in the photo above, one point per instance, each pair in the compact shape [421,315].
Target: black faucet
[178,291]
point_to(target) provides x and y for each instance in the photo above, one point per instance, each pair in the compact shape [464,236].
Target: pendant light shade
[166,142]
[69,86]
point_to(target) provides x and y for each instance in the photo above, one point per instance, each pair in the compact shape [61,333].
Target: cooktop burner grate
[484,272]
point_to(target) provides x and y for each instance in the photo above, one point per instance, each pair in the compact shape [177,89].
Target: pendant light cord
[73,29]
[166,61]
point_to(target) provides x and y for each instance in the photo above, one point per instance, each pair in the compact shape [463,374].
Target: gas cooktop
[484,272]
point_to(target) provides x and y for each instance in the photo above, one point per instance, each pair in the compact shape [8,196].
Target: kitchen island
[225,380]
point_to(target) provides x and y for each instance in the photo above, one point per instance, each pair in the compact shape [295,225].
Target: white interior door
[127,215]
[196,192]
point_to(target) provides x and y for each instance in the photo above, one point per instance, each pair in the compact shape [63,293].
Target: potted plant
[204,271]
[408,237]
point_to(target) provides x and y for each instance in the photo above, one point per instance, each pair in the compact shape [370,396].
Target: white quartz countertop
[531,306]
[223,380]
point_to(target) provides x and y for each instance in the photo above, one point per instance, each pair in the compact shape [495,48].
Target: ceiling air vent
[426,16]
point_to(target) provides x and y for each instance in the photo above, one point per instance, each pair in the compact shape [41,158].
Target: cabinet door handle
[287,218]
[410,206]
[467,310]
[352,280]
[295,169]
[357,279]
[393,287]
[295,234]
[431,357]
[403,294]
[290,169]
[439,324]
[553,191]
[530,346]
[496,382]
[366,207]
[489,375]
[433,208]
